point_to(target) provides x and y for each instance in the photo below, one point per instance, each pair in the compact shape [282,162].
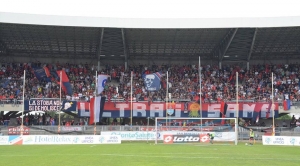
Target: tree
[285,117]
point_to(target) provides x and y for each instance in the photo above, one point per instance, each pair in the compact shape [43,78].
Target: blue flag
[152,81]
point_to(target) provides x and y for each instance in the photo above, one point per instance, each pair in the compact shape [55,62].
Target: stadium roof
[242,31]
[220,44]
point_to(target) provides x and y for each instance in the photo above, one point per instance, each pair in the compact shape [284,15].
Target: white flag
[101,83]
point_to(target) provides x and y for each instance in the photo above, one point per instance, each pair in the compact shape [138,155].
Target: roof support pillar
[99,48]
[227,46]
[252,45]
[125,49]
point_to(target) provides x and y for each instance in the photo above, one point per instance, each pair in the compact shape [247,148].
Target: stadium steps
[239,44]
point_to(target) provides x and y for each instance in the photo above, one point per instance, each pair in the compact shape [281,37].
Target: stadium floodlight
[189,130]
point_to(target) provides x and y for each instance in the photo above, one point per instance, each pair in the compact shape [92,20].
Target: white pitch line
[171,156]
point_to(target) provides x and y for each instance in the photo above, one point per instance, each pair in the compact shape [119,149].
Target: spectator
[284,124]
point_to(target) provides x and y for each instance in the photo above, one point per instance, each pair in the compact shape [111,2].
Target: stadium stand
[217,84]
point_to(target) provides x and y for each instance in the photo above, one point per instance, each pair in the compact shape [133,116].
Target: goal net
[196,130]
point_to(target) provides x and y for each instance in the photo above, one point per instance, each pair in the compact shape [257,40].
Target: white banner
[151,135]
[59,139]
[131,135]
[3,140]
[281,140]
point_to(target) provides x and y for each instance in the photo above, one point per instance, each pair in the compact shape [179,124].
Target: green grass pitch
[148,154]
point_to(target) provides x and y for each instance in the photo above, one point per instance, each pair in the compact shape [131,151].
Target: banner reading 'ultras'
[157,109]
[191,109]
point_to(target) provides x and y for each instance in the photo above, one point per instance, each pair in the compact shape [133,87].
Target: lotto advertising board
[59,139]
[169,137]
[281,140]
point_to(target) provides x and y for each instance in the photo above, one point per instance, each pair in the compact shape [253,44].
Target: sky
[155,8]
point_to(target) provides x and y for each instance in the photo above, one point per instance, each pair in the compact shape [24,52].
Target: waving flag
[256,113]
[286,104]
[42,73]
[96,109]
[97,103]
[66,86]
[152,81]
[101,83]
[223,111]
[257,119]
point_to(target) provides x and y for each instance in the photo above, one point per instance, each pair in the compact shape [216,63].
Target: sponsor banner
[17,130]
[170,139]
[281,140]
[96,139]
[47,139]
[3,140]
[132,135]
[151,135]
[219,136]
[71,128]
[60,139]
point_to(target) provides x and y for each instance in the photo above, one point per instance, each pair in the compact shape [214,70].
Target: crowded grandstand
[258,61]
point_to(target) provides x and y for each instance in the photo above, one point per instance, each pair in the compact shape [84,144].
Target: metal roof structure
[219,44]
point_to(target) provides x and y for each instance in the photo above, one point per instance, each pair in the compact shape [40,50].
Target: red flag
[66,86]
[223,111]
[95,103]
[92,106]
[47,71]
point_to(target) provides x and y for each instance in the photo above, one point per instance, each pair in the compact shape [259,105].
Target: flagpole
[22,124]
[200,102]
[60,80]
[273,131]
[131,80]
[96,87]
[167,92]
[237,108]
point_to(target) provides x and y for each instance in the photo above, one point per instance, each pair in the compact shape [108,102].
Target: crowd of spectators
[218,84]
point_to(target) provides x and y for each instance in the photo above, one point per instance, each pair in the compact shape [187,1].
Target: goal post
[195,130]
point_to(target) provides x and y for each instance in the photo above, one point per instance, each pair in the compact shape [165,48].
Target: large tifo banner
[178,136]
[189,109]
[59,139]
[281,140]
[158,109]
